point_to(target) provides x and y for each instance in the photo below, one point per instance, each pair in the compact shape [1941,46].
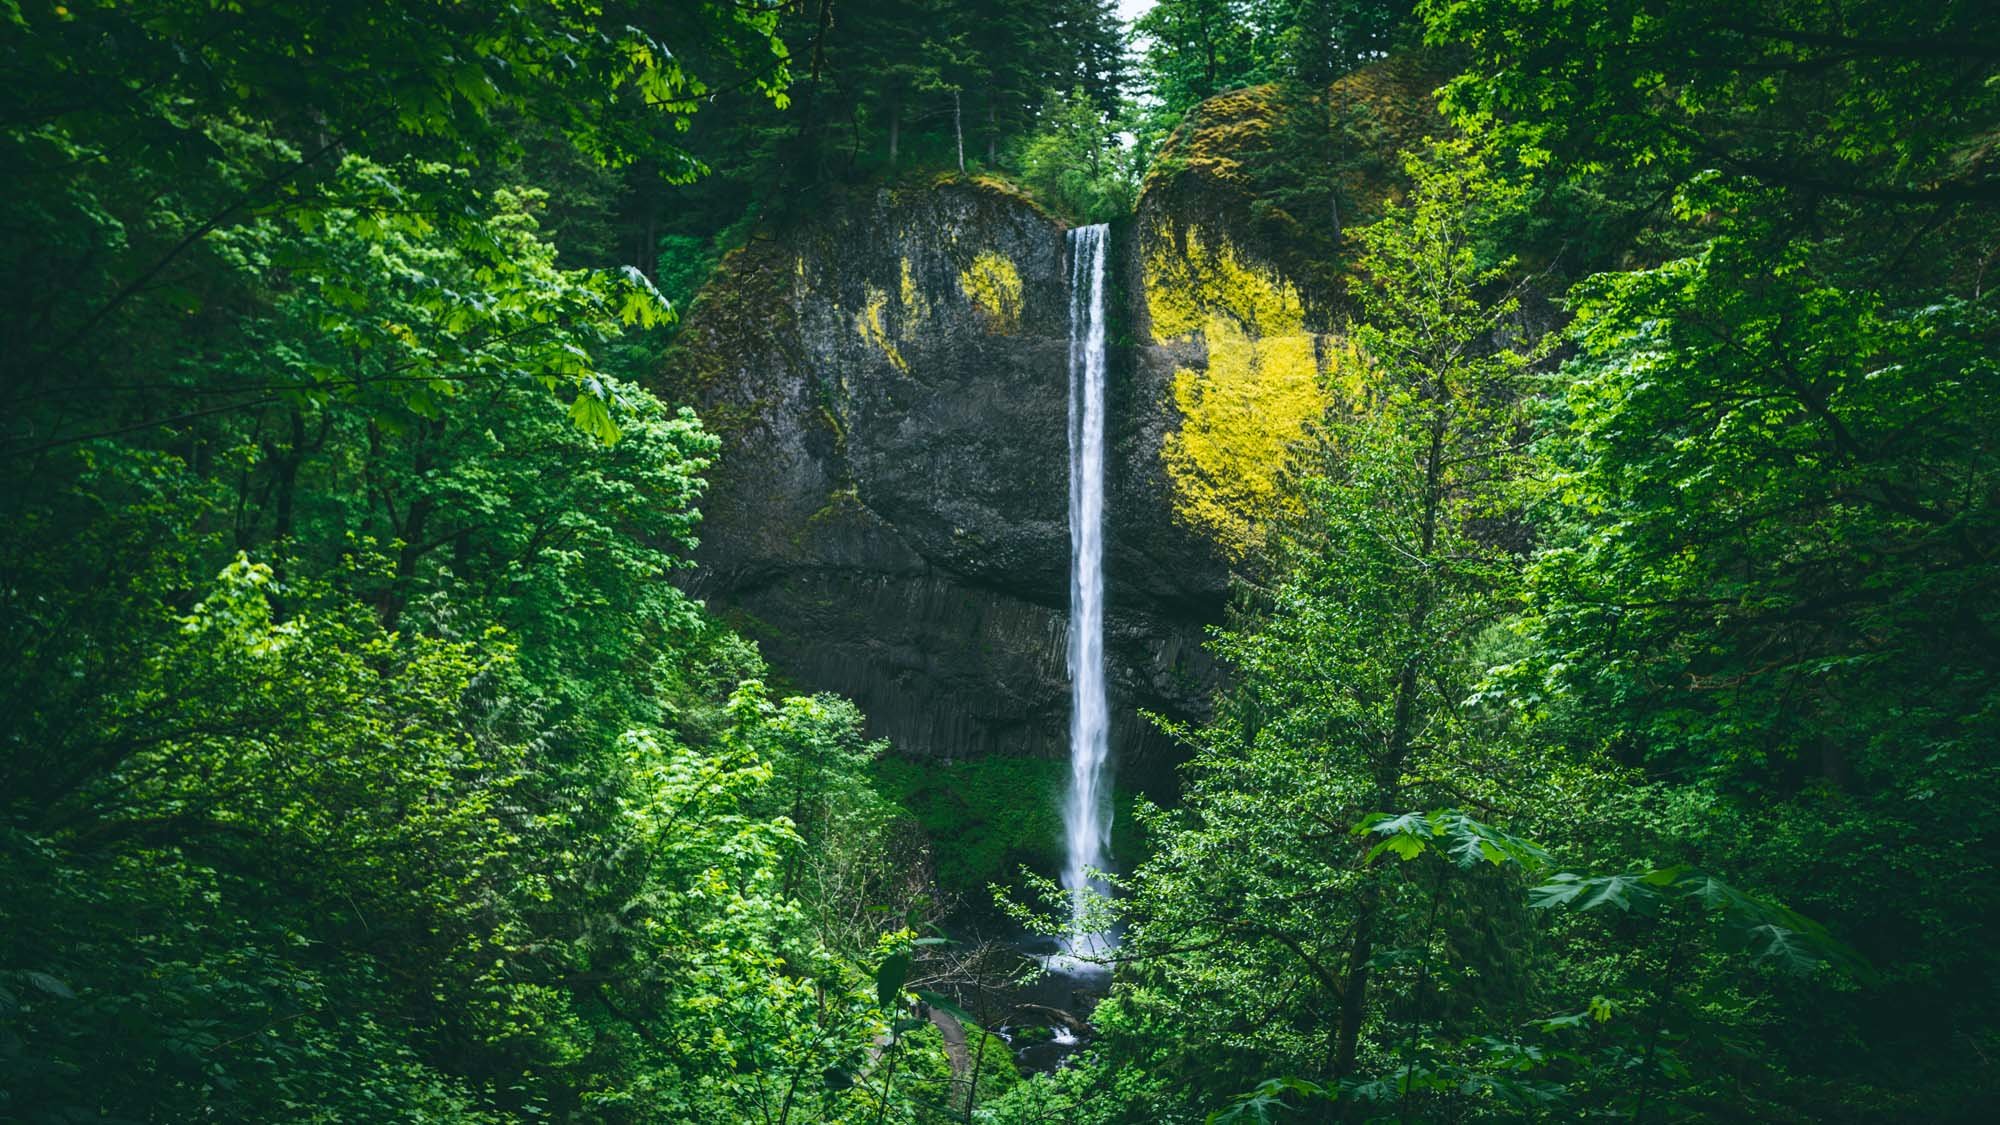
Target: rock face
[889,516]
[890,380]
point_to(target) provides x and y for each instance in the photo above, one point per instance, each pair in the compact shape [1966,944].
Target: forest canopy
[1609,723]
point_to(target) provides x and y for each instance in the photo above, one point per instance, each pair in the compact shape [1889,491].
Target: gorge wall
[888,519]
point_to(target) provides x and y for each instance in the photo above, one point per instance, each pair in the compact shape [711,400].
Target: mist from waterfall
[1087,807]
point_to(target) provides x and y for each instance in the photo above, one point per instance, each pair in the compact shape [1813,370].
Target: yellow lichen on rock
[876,325]
[1266,382]
[868,323]
[1192,278]
[993,286]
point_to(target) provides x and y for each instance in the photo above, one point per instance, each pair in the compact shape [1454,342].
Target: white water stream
[1087,807]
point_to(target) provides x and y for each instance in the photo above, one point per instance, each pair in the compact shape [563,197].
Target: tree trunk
[1389,774]
[1208,53]
[1333,177]
[1209,47]
[649,252]
[958,127]
[288,478]
[1354,997]
[807,103]
[895,128]
[415,523]
[992,132]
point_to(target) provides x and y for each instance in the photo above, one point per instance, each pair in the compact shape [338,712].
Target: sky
[1129,10]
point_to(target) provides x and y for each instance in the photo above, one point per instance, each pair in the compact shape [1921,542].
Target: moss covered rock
[1238,316]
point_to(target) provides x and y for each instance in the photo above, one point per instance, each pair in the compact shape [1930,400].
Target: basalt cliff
[890,379]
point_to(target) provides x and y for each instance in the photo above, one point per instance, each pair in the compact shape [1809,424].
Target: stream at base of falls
[1045,1019]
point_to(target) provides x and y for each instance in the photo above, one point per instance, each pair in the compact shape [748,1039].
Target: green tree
[1768,582]
[1197,49]
[364,763]
[131,124]
[1795,95]
[1075,164]
[1259,932]
[1768,577]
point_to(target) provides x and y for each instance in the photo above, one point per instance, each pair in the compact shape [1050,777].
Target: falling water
[1087,809]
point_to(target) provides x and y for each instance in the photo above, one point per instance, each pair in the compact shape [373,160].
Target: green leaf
[593,417]
[1390,824]
[1561,889]
[945,1004]
[1787,948]
[1590,893]
[1405,847]
[890,977]
[49,984]
[1406,834]
[1621,891]
[1266,1101]
[1473,841]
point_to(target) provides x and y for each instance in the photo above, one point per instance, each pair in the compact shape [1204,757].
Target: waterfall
[1087,807]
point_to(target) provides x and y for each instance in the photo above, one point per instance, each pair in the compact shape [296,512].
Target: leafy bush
[1076,163]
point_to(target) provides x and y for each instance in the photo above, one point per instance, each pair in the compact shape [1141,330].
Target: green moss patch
[985,817]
